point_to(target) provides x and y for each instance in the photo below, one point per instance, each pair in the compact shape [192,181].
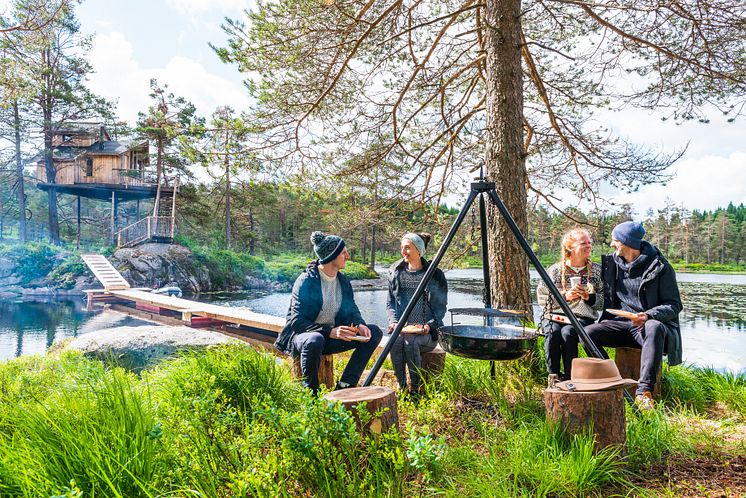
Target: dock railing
[151,227]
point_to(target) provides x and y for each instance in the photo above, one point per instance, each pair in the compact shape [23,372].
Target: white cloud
[704,183]
[119,76]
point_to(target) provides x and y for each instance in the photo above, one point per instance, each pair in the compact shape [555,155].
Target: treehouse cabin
[89,164]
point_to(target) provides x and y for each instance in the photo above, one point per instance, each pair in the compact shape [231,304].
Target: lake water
[713,323]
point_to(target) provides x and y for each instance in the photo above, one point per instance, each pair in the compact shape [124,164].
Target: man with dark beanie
[638,279]
[323,317]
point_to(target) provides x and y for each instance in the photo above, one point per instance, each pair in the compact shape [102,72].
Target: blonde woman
[579,281]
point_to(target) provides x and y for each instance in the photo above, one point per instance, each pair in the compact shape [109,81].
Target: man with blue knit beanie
[638,279]
[323,317]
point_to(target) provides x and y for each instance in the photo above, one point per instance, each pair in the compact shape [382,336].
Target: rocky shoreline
[149,265]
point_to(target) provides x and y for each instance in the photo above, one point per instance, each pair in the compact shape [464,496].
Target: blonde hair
[567,239]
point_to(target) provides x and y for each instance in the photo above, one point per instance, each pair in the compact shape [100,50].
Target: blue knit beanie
[327,247]
[629,233]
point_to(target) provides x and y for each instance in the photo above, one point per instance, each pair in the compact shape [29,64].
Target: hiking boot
[645,401]
[343,385]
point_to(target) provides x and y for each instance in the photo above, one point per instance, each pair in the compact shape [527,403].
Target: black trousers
[651,338]
[309,346]
[561,342]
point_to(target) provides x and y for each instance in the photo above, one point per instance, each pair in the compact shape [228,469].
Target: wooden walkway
[116,287]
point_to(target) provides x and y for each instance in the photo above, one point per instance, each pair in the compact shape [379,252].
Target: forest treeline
[238,198]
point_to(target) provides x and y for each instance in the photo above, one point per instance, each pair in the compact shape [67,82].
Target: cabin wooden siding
[120,169]
[73,141]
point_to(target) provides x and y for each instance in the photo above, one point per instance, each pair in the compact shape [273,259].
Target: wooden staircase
[158,228]
[105,272]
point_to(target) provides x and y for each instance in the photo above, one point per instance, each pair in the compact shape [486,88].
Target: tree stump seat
[326,370]
[628,362]
[433,363]
[602,412]
[380,405]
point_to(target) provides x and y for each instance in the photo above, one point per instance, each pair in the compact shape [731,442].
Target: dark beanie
[629,233]
[327,247]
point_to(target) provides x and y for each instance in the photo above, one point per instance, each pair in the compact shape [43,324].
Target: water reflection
[713,321]
[31,327]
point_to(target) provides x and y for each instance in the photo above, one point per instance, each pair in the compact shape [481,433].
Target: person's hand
[571,295]
[392,326]
[581,291]
[364,331]
[639,320]
[425,329]
[344,333]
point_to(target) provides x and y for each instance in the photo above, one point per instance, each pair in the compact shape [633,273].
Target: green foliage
[230,421]
[651,437]
[698,388]
[32,261]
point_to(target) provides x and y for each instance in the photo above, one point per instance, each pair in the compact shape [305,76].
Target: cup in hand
[575,281]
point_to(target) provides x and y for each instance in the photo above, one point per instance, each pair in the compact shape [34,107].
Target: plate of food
[622,313]
[413,329]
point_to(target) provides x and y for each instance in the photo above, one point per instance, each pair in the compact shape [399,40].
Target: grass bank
[231,422]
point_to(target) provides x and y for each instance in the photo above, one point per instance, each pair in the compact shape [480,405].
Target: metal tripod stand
[480,189]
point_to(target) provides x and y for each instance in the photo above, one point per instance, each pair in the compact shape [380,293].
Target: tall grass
[231,422]
[535,459]
[698,388]
[100,432]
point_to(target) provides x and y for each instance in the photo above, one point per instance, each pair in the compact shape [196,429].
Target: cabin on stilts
[89,164]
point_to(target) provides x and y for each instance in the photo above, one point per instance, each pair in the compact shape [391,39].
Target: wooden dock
[192,313]
[242,323]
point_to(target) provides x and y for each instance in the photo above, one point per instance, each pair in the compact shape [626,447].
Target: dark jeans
[309,346]
[561,341]
[620,333]
[407,353]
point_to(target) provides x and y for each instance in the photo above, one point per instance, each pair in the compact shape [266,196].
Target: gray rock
[136,348]
[157,265]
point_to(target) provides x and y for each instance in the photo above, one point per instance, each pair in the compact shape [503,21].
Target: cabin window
[67,138]
[89,167]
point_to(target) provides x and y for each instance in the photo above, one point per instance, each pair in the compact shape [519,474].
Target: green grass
[231,422]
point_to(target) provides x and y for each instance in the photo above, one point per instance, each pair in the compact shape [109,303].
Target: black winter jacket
[436,295]
[658,293]
[305,304]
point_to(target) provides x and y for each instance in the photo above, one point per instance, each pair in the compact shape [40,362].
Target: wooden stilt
[379,403]
[600,411]
[77,234]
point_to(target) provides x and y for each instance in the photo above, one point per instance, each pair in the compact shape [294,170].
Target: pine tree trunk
[54,223]
[20,191]
[504,150]
[227,204]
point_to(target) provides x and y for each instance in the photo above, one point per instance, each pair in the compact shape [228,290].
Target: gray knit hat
[629,233]
[327,247]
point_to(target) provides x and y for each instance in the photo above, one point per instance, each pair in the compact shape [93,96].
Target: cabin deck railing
[150,227]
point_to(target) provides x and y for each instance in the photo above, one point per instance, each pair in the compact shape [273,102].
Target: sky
[168,40]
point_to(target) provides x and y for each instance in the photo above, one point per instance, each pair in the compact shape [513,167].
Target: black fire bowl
[502,342]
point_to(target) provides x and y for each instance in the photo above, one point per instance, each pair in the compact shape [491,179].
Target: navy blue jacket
[658,293]
[305,304]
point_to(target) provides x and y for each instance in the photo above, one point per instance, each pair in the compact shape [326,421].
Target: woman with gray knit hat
[421,331]
[323,317]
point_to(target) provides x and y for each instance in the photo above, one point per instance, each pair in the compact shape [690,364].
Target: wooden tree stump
[603,411]
[628,362]
[433,363]
[380,403]
[326,370]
